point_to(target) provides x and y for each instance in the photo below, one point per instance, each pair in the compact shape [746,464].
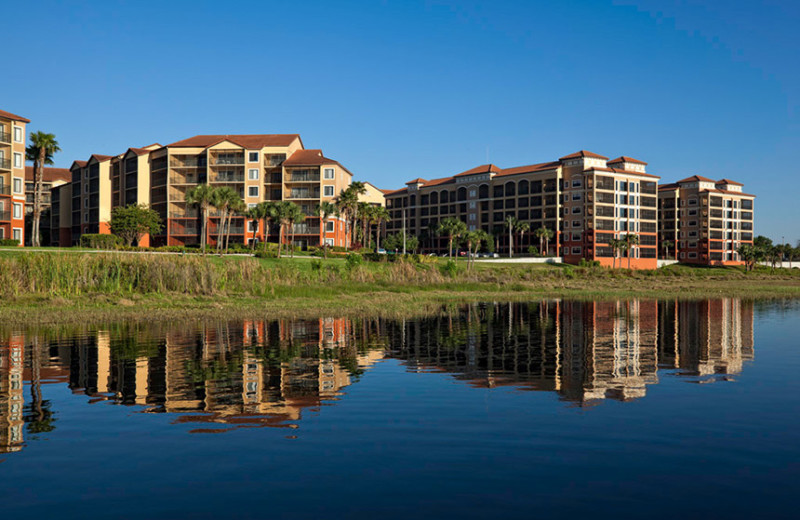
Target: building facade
[51,178]
[703,221]
[12,176]
[584,199]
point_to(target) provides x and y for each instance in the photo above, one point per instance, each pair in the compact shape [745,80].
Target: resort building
[12,176]
[584,199]
[258,168]
[51,178]
[61,215]
[704,221]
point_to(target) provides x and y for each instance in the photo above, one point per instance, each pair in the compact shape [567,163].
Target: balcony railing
[5,137]
[187,163]
[184,179]
[303,177]
[301,229]
[227,177]
[183,230]
[5,216]
[303,195]
[5,164]
[183,214]
[5,190]
[228,160]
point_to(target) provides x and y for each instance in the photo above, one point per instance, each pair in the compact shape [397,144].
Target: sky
[401,89]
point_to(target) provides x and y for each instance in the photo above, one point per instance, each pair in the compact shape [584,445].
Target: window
[18,134]
[17,185]
[85,203]
[18,234]
[472,217]
[576,196]
[251,226]
[329,242]
[576,210]
[328,191]
[252,174]
[2,233]
[85,217]
[472,205]
[17,160]
[252,191]
[330,227]
[576,183]
[252,156]
[576,223]
[251,205]
[17,210]
[576,250]
[328,174]
[576,237]
[473,194]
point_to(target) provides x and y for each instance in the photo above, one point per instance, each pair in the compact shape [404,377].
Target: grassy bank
[59,287]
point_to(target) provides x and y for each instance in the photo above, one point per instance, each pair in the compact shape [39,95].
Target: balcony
[5,190]
[5,216]
[5,164]
[226,177]
[5,137]
[183,214]
[186,179]
[175,229]
[228,159]
[302,229]
[303,177]
[302,194]
[192,162]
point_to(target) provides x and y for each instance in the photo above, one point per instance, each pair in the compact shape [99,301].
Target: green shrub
[450,268]
[9,242]
[101,241]
[316,265]
[353,260]
[570,273]
[533,250]
[266,254]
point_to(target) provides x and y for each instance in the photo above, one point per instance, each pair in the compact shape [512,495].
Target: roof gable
[583,153]
[13,117]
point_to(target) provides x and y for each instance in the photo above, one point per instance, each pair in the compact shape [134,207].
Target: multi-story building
[51,178]
[12,176]
[584,198]
[704,221]
[258,168]
[61,215]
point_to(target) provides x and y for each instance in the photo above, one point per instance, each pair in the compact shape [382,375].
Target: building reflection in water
[227,375]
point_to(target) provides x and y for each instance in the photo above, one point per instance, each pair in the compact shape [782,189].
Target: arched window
[462,193]
[483,191]
[434,197]
[523,187]
[511,189]
[413,200]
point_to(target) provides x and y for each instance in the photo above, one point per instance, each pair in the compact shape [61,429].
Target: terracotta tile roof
[78,163]
[438,182]
[312,157]
[531,168]
[418,180]
[250,141]
[626,172]
[483,168]
[393,192]
[696,178]
[582,153]
[138,151]
[728,181]
[13,117]
[50,174]
[101,158]
[624,158]
[667,187]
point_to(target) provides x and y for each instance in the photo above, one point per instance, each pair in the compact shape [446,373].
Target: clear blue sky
[402,89]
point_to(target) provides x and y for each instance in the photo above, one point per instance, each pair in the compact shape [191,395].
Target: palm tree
[451,228]
[294,216]
[544,235]
[222,199]
[270,215]
[630,240]
[522,227]
[511,222]
[41,151]
[614,245]
[474,238]
[202,195]
[667,245]
[281,216]
[236,207]
[255,215]
[379,216]
[364,211]
[324,211]
[347,202]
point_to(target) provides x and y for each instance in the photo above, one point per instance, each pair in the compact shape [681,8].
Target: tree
[131,222]
[614,245]
[294,216]
[622,247]
[202,196]
[364,211]
[41,151]
[511,223]
[544,235]
[236,207]
[281,216]
[221,199]
[378,216]
[630,240]
[474,238]
[256,214]
[324,211]
[522,228]
[749,254]
[347,202]
[395,242]
[451,228]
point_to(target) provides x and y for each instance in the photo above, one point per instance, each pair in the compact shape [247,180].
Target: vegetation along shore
[68,287]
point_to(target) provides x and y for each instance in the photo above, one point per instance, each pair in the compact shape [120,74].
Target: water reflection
[220,376]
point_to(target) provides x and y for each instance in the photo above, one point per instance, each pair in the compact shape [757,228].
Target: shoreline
[360,300]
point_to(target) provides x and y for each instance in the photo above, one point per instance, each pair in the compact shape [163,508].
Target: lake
[542,409]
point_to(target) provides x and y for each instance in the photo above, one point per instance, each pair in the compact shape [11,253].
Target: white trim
[325,191]
[325,174]
[250,171]
[18,160]
[21,133]
[250,192]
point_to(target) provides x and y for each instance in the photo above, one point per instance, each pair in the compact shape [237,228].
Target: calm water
[547,409]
